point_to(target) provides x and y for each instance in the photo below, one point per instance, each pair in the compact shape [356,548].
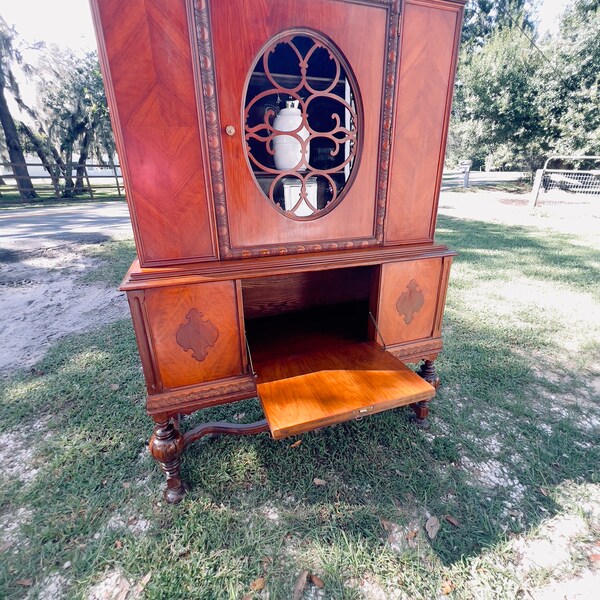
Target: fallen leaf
[447,587]
[296,444]
[114,386]
[387,525]
[595,557]
[24,582]
[67,564]
[127,485]
[247,597]
[139,588]
[317,582]
[118,544]
[300,585]
[122,589]
[543,492]
[452,520]
[258,584]
[411,534]
[432,526]
[318,481]
[5,546]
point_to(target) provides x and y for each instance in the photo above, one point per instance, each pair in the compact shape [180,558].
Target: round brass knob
[230,130]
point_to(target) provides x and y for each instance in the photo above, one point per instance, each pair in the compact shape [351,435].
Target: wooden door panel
[252,220]
[195,332]
[430,32]
[409,300]
[146,59]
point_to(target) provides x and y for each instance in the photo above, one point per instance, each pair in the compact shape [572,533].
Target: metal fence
[567,180]
[87,181]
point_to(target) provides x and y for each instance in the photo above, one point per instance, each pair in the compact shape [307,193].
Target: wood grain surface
[321,388]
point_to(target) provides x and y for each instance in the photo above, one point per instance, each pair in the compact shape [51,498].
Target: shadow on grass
[254,510]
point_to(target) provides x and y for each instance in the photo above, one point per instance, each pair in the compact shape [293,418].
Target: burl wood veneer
[283,162]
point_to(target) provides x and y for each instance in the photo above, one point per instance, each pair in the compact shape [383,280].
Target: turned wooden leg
[429,374]
[166,446]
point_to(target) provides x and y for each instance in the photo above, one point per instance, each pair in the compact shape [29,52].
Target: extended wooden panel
[195,332]
[146,59]
[429,45]
[240,30]
[326,387]
[408,300]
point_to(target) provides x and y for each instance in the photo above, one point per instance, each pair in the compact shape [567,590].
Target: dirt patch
[42,299]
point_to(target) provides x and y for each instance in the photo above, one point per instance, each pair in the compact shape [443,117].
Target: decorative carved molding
[388,112]
[212,123]
[198,334]
[430,348]
[410,302]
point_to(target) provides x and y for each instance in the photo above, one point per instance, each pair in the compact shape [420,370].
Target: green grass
[521,355]
[11,201]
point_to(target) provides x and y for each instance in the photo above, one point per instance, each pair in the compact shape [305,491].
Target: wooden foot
[421,413]
[166,446]
[429,374]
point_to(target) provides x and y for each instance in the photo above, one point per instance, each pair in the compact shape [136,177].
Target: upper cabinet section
[147,61]
[300,117]
[250,128]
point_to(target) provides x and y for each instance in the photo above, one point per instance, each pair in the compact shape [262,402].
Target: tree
[9,55]
[499,123]
[73,114]
[570,103]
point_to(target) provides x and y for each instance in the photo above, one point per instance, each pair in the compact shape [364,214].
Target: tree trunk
[53,171]
[15,151]
[83,156]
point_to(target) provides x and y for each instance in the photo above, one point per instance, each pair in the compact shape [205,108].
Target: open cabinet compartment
[312,345]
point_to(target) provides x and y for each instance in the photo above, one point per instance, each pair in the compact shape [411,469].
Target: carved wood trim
[215,147]
[190,399]
[427,349]
[138,278]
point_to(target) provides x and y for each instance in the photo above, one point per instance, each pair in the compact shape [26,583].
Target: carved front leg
[429,374]
[166,446]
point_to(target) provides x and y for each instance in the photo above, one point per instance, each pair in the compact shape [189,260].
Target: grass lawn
[510,467]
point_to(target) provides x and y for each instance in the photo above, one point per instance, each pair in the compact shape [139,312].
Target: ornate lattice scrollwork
[303,154]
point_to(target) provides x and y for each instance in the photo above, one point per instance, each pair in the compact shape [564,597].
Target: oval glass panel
[302,122]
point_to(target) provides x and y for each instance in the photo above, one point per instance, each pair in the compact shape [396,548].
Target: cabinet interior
[302,312]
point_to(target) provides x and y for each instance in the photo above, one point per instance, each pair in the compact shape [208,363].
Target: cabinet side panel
[429,44]
[195,332]
[145,54]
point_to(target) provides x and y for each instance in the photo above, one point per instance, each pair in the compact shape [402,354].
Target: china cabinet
[283,161]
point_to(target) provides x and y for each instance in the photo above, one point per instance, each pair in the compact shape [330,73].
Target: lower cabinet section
[316,346]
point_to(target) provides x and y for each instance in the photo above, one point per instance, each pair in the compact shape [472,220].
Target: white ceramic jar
[288,150]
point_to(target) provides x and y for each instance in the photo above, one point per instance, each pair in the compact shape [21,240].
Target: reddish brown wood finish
[175,73]
[146,59]
[430,33]
[252,220]
[411,300]
[212,344]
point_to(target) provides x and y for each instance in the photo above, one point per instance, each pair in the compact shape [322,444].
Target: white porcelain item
[291,193]
[288,150]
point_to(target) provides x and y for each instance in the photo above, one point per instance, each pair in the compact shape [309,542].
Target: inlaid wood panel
[195,332]
[146,59]
[430,32]
[253,222]
[409,297]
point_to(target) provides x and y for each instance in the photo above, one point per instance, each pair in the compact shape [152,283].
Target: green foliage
[518,101]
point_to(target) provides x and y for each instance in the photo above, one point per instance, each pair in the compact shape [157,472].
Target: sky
[68,23]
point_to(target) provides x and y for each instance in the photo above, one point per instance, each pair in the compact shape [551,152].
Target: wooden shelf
[326,386]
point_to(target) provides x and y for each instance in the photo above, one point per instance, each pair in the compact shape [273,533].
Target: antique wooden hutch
[283,161]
